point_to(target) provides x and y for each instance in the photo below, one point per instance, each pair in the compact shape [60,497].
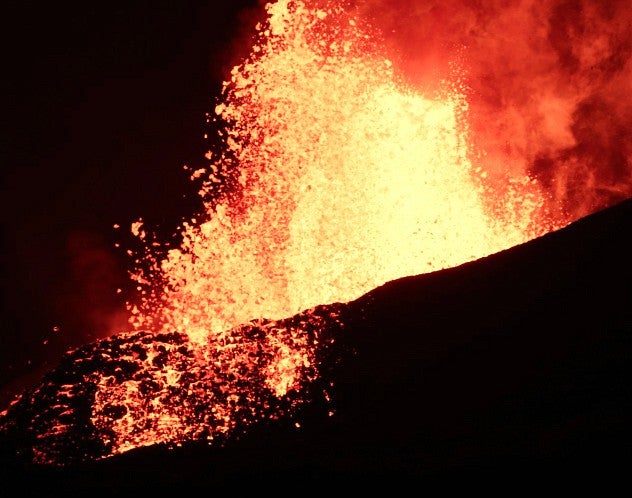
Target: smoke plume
[548,85]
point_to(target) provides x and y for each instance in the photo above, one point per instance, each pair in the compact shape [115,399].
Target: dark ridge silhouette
[507,375]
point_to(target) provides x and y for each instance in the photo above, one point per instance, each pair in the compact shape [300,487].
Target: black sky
[103,106]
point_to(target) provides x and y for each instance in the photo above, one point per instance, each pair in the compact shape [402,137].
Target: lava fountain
[333,176]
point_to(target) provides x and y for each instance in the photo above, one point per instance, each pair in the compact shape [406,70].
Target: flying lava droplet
[342,178]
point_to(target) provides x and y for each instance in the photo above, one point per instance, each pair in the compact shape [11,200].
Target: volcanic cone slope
[509,373]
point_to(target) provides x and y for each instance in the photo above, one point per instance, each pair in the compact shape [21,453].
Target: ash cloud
[549,86]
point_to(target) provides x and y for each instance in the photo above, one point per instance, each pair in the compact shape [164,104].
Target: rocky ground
[507,375]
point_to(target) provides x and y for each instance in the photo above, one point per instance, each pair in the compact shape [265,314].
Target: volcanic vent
[512,368]
[333,174]
[334,177]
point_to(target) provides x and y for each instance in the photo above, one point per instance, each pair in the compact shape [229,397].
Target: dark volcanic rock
[134,390]
[507,375]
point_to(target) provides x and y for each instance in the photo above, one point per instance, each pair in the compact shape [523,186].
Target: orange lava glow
[345,179]
[179,391]
[333,175]
[334,178]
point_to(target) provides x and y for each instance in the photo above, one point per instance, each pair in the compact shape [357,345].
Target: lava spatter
[141,389]
[335,177]
[341,178]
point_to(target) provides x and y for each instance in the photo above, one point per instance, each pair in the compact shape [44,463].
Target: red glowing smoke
[549,85]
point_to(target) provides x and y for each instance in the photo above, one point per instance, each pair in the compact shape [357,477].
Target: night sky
[103,106]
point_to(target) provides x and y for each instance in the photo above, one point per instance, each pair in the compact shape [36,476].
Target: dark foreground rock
[508,375]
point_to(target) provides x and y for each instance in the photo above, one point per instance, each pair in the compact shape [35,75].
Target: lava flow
[334,177]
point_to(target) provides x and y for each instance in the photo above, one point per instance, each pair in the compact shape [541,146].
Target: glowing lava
[335,177]
[342,179]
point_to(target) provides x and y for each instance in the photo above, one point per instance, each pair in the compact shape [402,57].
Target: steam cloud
[549,85]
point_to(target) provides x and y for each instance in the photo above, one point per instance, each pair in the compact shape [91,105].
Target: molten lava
[342,178]
[334,178]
